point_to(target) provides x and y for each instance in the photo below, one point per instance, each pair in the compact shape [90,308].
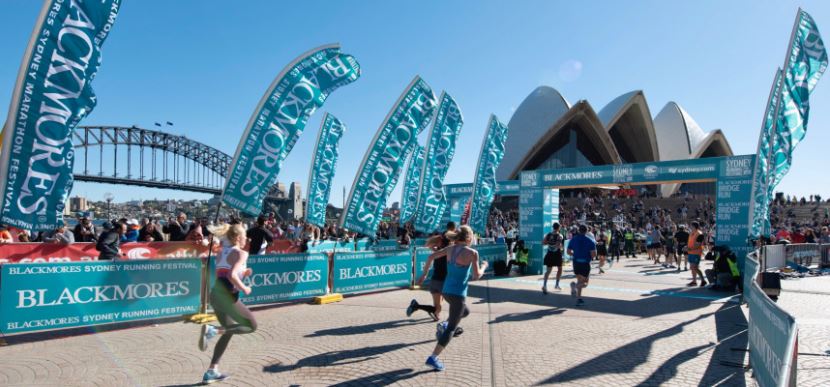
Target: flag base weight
[201,318]
[328,299]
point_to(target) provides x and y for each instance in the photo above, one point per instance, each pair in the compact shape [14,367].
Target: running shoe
[208,332]
[558,288]
[436,364]
[544,290]
[411,308]
[601,271]
[434,317]
[702,283]
[580,302]
[439,330]
[573,289]
[458,332]
[212,376]
[693,283]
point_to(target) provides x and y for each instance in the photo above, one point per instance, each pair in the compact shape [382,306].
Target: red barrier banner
[54,252]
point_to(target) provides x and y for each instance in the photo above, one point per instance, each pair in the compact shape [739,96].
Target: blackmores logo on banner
[574,177]
[284,277]
[432,201]
[484,185]
[322,169]
[371,270]
[53,93]
[279,120]
[409,201]
[63,295]
[378,173]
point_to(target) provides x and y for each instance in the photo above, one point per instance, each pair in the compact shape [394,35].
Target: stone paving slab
[636,329]
[808,300]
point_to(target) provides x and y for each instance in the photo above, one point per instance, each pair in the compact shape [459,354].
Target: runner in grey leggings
[234,317]
[461,259]
[232,314]
[458,310]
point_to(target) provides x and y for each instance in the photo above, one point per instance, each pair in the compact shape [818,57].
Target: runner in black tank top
[436,282]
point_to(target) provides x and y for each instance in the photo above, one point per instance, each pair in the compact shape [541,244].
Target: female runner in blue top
[461,260]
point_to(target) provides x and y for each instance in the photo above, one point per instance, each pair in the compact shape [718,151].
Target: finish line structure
[539,195]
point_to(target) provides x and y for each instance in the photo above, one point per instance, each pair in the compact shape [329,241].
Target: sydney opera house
[548,132]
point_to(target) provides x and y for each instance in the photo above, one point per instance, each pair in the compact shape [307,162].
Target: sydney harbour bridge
[148,158]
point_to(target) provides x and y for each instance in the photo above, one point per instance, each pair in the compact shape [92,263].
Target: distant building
[548,132]
[78,204]
[281,192]
[396,205]
[333,213]
[295,197]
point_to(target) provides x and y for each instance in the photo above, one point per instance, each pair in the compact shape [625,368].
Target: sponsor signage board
[283,277]
[772,335]
[371,270]
[421,257]
[45,296]
[491,253]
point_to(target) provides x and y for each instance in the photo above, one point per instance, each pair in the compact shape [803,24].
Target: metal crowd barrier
[773,333]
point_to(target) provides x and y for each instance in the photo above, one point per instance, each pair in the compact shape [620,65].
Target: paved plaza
[641,326]
[807,299]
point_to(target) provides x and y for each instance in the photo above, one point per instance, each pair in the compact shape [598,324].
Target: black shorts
[436,286]
[553,258]
[681,249]
[601,250]
[655,246]
[583,269]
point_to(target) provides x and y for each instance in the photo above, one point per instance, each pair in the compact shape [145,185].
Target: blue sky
[204,65]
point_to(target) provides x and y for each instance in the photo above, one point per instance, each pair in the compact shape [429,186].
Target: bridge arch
[172,161]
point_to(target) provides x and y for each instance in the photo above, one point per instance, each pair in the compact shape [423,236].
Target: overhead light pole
[108,197]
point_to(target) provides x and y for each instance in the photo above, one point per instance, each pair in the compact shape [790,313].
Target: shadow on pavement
[337,358]
[626,358]
[662,302]
[534,315]
[660,271]
[731,333]
[725,365]
[668,370]
[364,329]
[383,379]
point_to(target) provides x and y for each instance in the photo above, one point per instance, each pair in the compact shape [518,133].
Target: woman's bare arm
[478,269]
[236,260]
